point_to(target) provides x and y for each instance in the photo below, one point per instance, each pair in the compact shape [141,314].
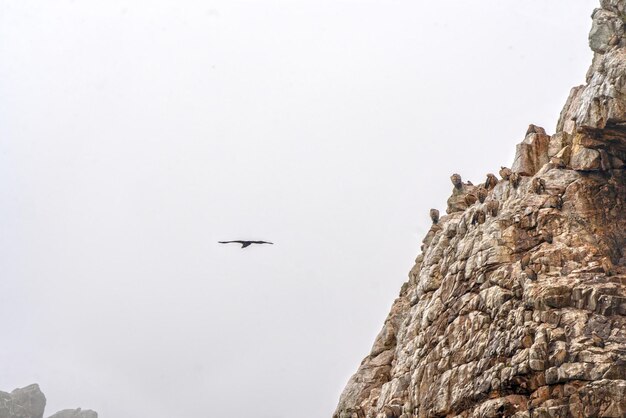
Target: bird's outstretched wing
[245,244]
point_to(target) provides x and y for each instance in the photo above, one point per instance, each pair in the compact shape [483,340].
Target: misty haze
[135,136]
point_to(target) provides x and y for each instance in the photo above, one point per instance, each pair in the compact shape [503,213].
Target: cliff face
[30,402]
[517,304]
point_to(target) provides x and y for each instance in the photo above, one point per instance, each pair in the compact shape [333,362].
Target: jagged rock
[558,141]
[75,413]
[567,118]
[563,157]
[531,154]
[617,6]
[28,402]
[585,159]
[607,30]
[521,313]
[457,201]
[602,101]
[534,129]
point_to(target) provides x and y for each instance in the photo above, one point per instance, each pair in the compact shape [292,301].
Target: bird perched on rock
[456,180]
[478,217]
[434,215]
[482,194]
[607,266]
[597,340]
[245,244]
[505,173]
[605,161]
[491,182]
[514,179]
[559,202]
[547,236]
[525,261]
[530,273]
[470,199]
[538,185]
[492,207]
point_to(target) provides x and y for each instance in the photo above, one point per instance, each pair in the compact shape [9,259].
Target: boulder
[27,402]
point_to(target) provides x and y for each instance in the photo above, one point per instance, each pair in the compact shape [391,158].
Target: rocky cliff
[517,304]
[30,402]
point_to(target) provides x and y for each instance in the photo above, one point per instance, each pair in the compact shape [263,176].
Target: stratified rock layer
[517,305]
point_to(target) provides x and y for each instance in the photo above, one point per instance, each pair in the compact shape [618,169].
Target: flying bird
[245,244]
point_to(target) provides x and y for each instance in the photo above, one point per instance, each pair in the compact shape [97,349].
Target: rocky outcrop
[30,402]
[517,304]
[75,413]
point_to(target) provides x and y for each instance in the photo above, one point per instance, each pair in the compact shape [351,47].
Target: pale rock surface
[521,311]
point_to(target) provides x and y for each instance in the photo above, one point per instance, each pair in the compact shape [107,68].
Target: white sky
[136,134]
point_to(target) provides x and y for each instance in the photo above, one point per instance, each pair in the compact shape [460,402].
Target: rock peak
[517,304]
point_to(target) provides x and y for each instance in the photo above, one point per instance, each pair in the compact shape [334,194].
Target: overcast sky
[136,134]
